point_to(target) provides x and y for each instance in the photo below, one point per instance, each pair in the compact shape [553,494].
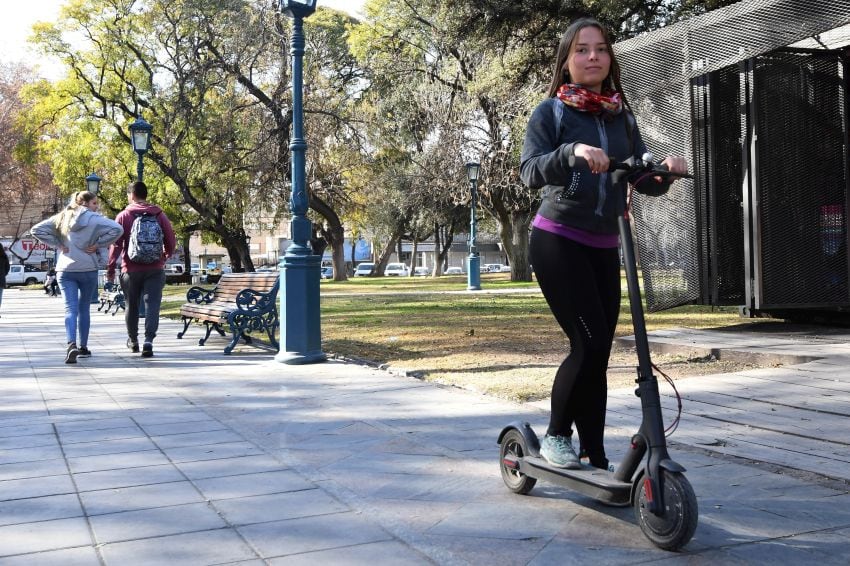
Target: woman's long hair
[561,76]
[63,219]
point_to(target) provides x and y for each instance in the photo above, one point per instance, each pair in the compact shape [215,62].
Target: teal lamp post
[300,323]
[93,186]
[140,137]
[473,263]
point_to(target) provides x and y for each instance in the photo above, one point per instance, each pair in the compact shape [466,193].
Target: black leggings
[582,286]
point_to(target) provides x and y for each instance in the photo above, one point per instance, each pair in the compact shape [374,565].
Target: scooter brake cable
[675,424]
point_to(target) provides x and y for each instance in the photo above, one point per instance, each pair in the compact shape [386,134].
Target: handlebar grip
[578,162]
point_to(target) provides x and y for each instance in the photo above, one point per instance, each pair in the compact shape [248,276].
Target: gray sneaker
[558,451]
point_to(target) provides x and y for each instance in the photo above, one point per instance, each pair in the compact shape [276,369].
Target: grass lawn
[505,344]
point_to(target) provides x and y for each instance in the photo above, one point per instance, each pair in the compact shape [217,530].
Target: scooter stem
[650,436]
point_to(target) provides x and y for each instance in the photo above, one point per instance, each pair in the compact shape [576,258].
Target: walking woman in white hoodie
[81,234]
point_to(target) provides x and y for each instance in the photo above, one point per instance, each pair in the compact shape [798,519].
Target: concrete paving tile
[390,552]
[229,467]
[295,536]
[100,435]
[50,452]
[447,549]
[252,484]
[211,451]
[127,477]
[44,535]
[80,556]
[28,441]
[117,461]
[27,429]
[100,448]
[36,487]
[581,553]
[500,521]
[197,438]
[40,509]
[209,547]
[94,424]
[148,523]
[182,428]
[136,498]
[36,469]
[145,418]
[801,549]
[278,506]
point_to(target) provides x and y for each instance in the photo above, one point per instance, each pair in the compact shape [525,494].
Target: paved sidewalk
[193,457]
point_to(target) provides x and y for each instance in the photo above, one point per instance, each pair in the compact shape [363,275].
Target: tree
[149,59]
[26,187]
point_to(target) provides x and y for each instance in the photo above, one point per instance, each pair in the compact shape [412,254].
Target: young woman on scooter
[574,236]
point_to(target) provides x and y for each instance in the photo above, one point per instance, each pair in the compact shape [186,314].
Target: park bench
[242,302]
[111,296]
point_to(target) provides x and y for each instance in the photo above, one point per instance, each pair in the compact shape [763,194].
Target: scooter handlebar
[646,165]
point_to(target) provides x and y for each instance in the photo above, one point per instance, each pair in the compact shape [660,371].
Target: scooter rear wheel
[676,525]
[513,448]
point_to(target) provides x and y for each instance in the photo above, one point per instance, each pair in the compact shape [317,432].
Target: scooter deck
[593,482]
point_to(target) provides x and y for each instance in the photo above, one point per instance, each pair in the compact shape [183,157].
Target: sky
[18,17]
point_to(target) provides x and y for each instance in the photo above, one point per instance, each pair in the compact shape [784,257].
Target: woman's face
[589,61]
[91,205]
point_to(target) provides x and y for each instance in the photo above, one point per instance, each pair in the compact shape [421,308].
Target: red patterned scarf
[589,101]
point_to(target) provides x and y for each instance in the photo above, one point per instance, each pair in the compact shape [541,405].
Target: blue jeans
[77,289]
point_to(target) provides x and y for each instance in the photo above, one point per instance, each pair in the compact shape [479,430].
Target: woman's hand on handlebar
[597,160]
[675,164]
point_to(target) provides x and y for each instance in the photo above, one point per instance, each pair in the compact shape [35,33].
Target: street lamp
[140,137]
[93,183]
[247,245]
[473,263]
[300,328]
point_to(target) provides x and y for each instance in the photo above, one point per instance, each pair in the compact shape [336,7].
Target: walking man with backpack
[148,240]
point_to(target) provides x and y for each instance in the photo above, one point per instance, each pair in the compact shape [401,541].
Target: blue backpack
[145,239]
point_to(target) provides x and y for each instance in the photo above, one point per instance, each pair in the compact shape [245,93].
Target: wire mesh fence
[764,126]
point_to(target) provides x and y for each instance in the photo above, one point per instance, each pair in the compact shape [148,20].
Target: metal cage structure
[754,95]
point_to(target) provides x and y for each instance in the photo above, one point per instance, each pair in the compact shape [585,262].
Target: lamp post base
[298,358]
[473,273]
[300,321]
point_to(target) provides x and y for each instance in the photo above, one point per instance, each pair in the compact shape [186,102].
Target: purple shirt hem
[575,234]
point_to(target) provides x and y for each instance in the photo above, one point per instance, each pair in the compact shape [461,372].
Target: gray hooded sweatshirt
[85,229]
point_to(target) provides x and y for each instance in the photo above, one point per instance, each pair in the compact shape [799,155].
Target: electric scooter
[664,502]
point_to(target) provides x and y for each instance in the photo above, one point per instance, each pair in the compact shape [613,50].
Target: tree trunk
[443,238]
[514,235]
[384,258]
[187,255]
[334,236]
[413,256]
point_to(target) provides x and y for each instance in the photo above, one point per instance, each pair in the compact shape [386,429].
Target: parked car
[491,268]
[454,271]
[505,269]
[396,269]
[327,273]
[25,275]
[364,269]
[196,269]
[421,271]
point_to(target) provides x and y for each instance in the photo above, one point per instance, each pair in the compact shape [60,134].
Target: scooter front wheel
[513,448]
[672,529]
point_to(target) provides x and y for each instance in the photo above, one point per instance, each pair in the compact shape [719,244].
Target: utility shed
[755,95]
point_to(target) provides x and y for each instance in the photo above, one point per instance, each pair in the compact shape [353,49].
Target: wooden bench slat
[216,313]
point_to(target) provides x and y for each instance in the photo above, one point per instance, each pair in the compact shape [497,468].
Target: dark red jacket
[119,249]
